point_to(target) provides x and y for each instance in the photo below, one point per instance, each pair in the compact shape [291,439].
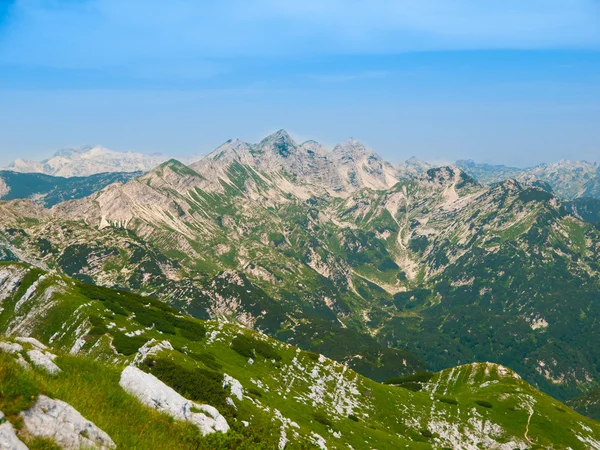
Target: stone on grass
[9,347]
[156,394]
[22,362]
[59,421]
[32,341]
[8,437]
[44,361]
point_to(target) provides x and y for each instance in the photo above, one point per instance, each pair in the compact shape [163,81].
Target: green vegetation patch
[18,389]
[413,382]
[484,403]
[322,418]
[200,385]
[128,345]
[250,348]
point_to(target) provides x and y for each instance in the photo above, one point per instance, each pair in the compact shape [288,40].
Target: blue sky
[514,82]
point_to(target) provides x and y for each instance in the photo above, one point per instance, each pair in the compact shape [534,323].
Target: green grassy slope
[290,396]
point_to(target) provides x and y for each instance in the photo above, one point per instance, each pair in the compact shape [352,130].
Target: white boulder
[21,361]
[235,386]
[156,394]
[44,361]
[8,437]
[62,423]
[32,341]
[151,348]
[8,347]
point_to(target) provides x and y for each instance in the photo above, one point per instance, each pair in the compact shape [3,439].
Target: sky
[514,82]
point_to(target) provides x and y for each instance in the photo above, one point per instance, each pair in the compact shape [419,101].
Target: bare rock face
[62,423]
[154,393]
[348,167]
[8,437]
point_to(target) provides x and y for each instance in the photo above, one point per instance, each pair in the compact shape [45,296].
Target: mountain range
[568,179]
[388,269]
[87,160]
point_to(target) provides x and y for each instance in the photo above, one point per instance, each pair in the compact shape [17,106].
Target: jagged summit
[280,143]
[349,166]
[352,147]
[280,136]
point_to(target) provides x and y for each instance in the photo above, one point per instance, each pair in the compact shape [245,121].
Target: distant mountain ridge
[347,167]
[87,160]
[49,190]
[568,179]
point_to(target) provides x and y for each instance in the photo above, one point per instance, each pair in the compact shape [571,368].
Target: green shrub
[411,386]
[322,418]
[312,355]
[484,403]
[98,326]
[426,433]
[250,348]
[255,392]
[207,359]
[158,319]
[190,329]
[128,345]
[449,400]
[148,311]
[200,385]
[387,264]
[115,308]
[353,417]
[419,377]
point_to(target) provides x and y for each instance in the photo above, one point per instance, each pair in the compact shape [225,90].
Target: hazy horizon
[500,83]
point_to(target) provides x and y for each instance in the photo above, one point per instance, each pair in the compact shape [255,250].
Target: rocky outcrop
[62,423]
[44,361]
[154,393]
[8,437]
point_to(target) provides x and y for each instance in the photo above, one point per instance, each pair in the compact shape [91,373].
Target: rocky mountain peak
[279,142]
[229,149]
[353,149]
[172,166]
[314,148]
